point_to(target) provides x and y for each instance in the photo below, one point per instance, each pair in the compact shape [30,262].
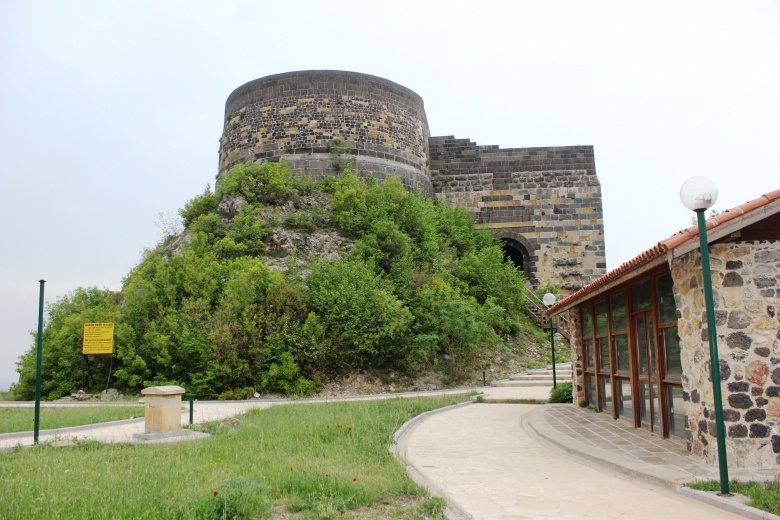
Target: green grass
[22,419]
[309,460]
[762,495]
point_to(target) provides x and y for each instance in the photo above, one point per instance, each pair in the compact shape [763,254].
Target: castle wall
[544,202]
[546,199]
[300,115]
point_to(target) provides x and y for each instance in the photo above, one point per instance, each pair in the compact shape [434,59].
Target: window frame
[657,286]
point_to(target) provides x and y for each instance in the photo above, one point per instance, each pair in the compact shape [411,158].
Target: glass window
[641,341]
[656,410]
[651,344]
[617,306]
[677,415]
[587,321]
[672,350]
[587,351]
[623,398]
[593,399]
[644,402]
[606,391]
[601,318]
[603,353]
[621,352]
[666,305]
[640,296]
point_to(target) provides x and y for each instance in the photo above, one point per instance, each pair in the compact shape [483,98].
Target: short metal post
[484,379]
[191,410]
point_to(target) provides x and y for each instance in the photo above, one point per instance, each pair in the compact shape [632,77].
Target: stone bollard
[162,408]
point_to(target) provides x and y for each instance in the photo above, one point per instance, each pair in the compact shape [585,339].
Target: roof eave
[727,228]
[568,303]
[718,227]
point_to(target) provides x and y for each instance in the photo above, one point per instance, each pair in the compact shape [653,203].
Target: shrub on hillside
[367,324]
[421,287]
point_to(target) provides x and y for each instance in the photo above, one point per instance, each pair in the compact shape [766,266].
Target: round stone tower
[317,119]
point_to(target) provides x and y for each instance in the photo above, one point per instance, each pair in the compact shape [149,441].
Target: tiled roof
[662,248]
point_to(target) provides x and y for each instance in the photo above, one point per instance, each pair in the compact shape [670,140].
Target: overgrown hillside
[281,284]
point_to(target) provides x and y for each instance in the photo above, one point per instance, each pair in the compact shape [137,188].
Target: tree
[63,368]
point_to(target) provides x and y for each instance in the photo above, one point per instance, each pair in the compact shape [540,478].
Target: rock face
[229,206]
[290,247]
[747,296]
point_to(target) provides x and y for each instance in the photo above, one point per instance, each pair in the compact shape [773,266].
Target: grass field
[23,419]
[297,461]
[764,495]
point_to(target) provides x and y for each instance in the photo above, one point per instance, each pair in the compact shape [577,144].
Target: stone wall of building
[546,199]
[309,117]
[746,287]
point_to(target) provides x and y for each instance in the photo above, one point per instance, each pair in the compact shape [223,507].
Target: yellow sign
[98,338]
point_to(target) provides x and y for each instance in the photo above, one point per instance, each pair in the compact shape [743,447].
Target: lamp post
[549,299]
[699,194]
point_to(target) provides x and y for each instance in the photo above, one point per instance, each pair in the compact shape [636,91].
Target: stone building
[545,203]
[640,344]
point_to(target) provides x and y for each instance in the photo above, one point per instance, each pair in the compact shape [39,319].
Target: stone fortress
[545,203]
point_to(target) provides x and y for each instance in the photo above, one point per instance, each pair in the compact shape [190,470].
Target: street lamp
[699,194]
[549,299]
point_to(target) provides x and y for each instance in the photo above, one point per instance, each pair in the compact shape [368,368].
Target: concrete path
[484,463]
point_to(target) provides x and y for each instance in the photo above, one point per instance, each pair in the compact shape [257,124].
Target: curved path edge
[401,438]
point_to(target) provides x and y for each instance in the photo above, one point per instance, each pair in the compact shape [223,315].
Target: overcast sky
[110,112]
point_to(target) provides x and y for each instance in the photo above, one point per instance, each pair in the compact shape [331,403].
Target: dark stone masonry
[748,346]
[544,203]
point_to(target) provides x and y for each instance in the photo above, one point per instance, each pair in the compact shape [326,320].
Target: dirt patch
[403,506]
[513,357]
[364,383]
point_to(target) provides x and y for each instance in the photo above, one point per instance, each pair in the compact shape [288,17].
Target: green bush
[203,204]
[367,323]
[301,221]
[268,182]
[250,230]
[562,393]
[487,274]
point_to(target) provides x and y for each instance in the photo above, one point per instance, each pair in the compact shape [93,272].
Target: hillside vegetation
[279,284]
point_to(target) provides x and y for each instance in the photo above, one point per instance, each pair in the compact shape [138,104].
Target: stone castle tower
[545,203]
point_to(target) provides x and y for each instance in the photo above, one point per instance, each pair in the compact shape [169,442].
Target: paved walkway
[480,458]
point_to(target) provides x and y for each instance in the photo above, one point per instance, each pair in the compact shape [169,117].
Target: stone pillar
[578,379]
[745,288]
[163,408]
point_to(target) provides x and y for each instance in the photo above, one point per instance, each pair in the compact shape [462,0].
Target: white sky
[111,111]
